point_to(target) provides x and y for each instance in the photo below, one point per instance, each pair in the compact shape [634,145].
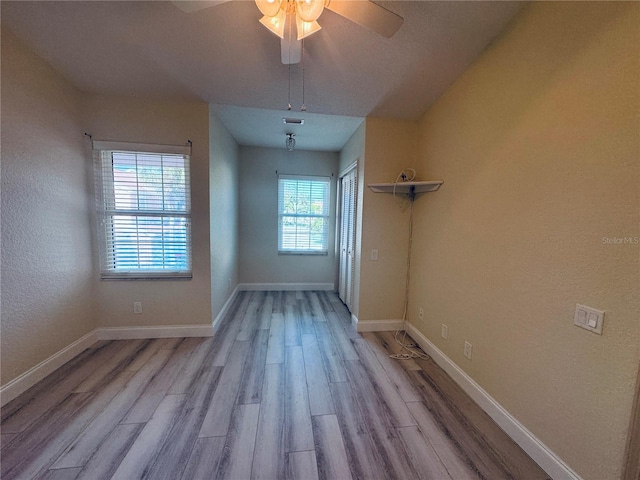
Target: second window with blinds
[303,214]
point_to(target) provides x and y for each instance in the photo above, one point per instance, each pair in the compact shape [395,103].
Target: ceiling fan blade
[369,15]
[194,6]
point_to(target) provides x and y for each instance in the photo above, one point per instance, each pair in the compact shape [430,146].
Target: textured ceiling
[265,128]
[222,55]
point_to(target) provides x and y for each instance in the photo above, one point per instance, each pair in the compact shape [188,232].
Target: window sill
[316,254]
[147,276]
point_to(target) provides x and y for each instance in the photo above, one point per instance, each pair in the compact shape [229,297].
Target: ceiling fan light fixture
[290,142]
[306,29]
[269,8]
[276,23]
[309,10]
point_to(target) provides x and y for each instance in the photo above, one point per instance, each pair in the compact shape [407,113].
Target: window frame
[325,216]
[107,210]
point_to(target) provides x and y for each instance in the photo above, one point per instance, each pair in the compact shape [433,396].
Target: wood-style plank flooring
[285,389]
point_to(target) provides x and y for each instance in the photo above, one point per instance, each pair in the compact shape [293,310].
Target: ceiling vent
[293,121]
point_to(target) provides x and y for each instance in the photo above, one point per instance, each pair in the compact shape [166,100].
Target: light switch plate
[374,254]
[588,318]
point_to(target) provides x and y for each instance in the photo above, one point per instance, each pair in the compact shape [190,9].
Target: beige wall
[353,150]
[259,259]
[538,144]
[390,147]
[47,273]
[223,197]
[164,302]
[51,295]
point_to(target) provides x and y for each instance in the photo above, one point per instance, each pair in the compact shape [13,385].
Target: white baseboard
[225,308]
[285,286]
[160,331]
[32,376]
[538,451]
[376,325]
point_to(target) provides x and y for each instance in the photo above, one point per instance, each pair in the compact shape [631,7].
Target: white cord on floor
[413,351]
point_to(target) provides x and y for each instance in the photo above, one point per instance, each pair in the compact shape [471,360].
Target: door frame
[353,167]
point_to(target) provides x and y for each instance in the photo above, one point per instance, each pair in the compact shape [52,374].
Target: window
[144,210]
[303,214]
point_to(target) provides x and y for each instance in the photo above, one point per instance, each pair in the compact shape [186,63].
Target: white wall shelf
[406,188]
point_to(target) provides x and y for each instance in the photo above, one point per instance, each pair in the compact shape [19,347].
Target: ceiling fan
[305,13]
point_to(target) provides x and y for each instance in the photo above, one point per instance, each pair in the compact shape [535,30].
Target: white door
[344,225]
[348,196]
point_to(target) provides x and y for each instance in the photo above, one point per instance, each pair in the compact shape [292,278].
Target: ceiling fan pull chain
[304,106]
[289,103]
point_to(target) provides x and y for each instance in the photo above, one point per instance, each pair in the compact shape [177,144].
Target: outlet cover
[444,333]
[137,307]
[374,254]
[468,349]
[421,313]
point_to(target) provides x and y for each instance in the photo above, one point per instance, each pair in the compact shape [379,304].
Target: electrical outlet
[374,254]
[468,349]
[137,307]
[421,313]
[444,332]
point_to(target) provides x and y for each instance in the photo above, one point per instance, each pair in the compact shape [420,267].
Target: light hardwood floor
[285,389]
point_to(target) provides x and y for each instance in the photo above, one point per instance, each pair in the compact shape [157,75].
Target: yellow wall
[166,302]
[538,144]
[47,272]
[51,294]
[223,205]
[390,146]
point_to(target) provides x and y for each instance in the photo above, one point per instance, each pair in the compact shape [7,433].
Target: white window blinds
[144,206]
[303,214]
